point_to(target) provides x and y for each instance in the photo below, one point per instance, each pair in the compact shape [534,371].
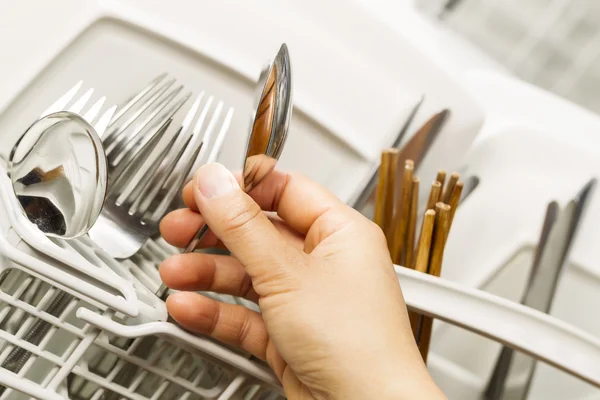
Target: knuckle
[214,321]
[378,233]
[240,218]
[243,331]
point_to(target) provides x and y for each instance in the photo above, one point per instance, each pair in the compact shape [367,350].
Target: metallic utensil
[449,7]
[556,240]
[59,172]
[265,144]
[415,149]
[60,159]
[149,161]
[418,146]
[470,185]
[497,383]
[368,190]
[269,128]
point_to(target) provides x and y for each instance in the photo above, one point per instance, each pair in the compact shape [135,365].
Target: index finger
[296,199]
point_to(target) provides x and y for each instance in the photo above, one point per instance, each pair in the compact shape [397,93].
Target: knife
[415,149]
[362,197]
[556,240]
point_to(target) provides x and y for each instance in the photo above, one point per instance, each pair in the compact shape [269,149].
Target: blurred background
[554,44]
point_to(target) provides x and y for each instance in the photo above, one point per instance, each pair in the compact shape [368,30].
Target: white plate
[352,92]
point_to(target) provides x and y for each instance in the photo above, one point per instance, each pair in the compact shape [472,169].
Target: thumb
[236,219]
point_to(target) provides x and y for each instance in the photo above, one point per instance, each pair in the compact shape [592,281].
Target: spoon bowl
[271,120]
[59,172]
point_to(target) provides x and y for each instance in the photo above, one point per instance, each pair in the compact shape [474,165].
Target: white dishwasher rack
[95,337]
[91,342]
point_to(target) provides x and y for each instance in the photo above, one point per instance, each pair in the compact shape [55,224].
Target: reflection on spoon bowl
[271,120]
[59,174]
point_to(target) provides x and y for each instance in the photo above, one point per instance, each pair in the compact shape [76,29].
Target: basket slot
[158,371]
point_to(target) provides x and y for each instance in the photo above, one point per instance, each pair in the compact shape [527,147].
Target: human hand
[333,325]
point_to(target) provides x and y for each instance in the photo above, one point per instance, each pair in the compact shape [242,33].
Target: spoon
[269,127]
[59,175]
[268,131]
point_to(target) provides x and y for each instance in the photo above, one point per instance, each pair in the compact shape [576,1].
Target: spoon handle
[197,238]
[162,290]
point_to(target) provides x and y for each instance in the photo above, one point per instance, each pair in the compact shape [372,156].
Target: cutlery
[385,191]
[137,126]
[62,155]
[58,170]
[401,232]
[468,187]
[368,191]
[471,184]
[449,7]
[269,128]
[556,240]
[265,144]
[415,149]
[436,224]
[149,162]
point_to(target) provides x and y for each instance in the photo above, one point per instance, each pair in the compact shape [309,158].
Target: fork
[18,356]
[149,163]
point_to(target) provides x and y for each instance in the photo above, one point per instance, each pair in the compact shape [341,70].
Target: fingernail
[214,180]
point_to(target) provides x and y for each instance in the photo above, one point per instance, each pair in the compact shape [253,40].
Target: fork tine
[169,161]
[62,102]
[81,102]
[122,147]
[189,117]
[122,160]
[202,117]
[142,203]
[104,120]
[92,113]
[134,99]
[218,145]
[171,187]
[172,190]
[196,131]
[117,132]
[131,187]
[211,124]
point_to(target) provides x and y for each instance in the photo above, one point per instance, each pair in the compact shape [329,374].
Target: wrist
[417,384]
[423,389]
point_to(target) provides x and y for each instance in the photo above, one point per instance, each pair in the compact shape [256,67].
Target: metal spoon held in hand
[59,174]
[269,128]
[268,131]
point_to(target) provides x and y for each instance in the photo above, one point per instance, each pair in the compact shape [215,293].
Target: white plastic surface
[352,93]
[102,284]
[29,283]
[535,333]
[534,148]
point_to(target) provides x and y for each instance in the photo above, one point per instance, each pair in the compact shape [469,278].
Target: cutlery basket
[72,319]
[86,349]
